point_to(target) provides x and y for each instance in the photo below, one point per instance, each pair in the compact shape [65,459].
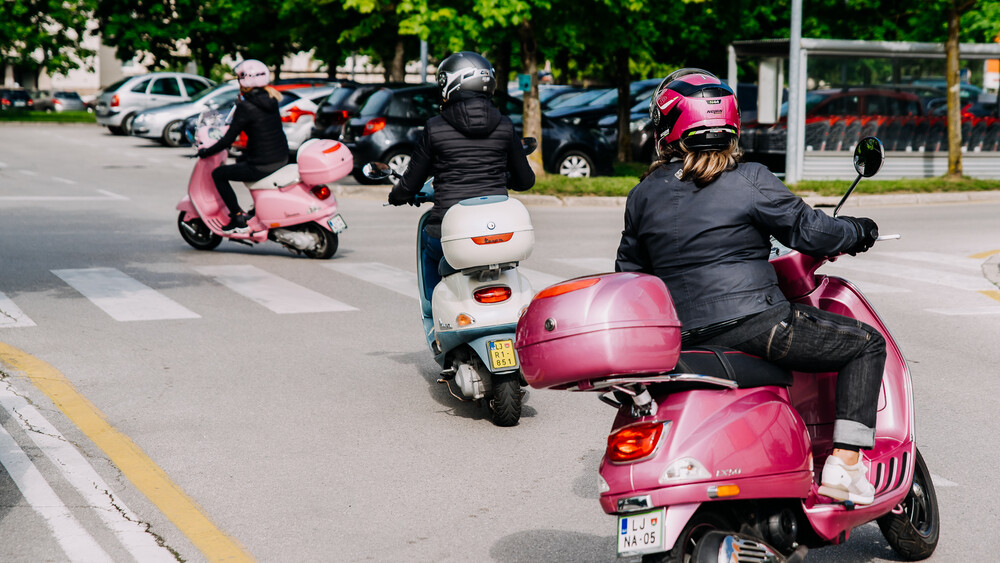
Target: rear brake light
[321,191]
[114,101]
[333,148]
[497,294]
[567,287]
[294,113]
[492,239]
[634,442]
[374,126]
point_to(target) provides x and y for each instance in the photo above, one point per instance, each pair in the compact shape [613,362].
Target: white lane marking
[382,275]
[277,294]
[867,287]
[924,275]
[63,180]
[133,535]
[3,165]
[939,258]
[942,482]
[11,315]
[72,537]
[105,195]
[967,311]
[122,297]
[28,172]
[591,265]
[540,280]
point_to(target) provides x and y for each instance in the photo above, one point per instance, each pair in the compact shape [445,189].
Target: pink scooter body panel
[291,205]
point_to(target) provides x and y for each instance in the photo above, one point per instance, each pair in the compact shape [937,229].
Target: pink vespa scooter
[712,454]
[294,206]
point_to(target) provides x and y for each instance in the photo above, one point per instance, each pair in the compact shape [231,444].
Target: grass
[43,117]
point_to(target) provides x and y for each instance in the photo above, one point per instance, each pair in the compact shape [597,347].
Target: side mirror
[869,156]
[529,144]
[376,170]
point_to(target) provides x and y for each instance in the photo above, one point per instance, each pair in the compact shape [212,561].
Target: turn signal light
[497,294]
[567,287]
[635,442]
[374,126]
[464,320]
[321,191]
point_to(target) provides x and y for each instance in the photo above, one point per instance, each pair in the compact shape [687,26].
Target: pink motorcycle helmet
[253,74]
[694,107]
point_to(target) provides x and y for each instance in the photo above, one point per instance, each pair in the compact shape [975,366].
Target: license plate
[641,533]
[502,354]
[19,103]
[337,223]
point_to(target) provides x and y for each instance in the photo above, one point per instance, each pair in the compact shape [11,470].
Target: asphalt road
[183,416]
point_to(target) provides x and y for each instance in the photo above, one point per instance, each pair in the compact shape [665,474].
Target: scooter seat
[284,176]
[746,370]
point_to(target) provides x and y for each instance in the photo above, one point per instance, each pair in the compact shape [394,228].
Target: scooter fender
[187,206]
[751,438]
[292,205]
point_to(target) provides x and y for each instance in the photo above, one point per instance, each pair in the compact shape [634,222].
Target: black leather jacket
[710,245]
[258,116]
[469,149]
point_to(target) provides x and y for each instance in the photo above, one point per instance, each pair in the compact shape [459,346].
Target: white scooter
[471,318]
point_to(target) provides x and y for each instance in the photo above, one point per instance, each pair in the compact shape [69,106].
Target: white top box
[486,230]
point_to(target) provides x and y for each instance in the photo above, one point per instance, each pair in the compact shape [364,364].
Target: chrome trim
[635,504]
[660,378]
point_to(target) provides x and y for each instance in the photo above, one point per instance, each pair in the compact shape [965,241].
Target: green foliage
[42,117]
[44,34]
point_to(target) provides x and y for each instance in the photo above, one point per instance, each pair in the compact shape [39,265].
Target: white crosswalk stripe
[123,297]
[271,291]
[11,315]
[400,281]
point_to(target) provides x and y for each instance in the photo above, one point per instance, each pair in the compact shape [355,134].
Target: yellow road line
[148,477]
[986,254]
[991,293]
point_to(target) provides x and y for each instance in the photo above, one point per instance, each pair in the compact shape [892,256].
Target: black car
[14,99]
[390,123]
[341,105]
[606,104]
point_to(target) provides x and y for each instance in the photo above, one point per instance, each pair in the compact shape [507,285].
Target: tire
[116,130]
[173,134]
[203,238]
[575,164]
[505,406]
[398,161]
[126,125]
[913,534]
[700,524]
[328,242]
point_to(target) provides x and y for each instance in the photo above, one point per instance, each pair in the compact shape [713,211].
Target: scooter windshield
[212,124]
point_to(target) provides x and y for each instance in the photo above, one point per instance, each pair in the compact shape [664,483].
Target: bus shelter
[851,106]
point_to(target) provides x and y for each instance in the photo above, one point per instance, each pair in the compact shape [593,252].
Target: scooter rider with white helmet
[471,150]
[267,148]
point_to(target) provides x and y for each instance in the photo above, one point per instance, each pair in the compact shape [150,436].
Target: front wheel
[173,134]
[127,122]
[912,529]
[196,233]
[506,402]
[575,164]
[697,527]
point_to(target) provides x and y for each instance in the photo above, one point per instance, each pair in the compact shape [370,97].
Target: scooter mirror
[869,156]
[529,144]
[376,170]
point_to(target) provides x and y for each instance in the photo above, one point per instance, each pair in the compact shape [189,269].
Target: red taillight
[634,442]
[374,126]
[492,239]
[321,191]
[114,101]
[57,102]
[5,102]
[567,287]
[241,141]
[342,116]
[496,294]
[293,114]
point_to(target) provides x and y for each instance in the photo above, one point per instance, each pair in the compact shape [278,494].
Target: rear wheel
[913,532]
[700,524]
[116,130]
[173,134]
[398,161]
[196,233]
[506,402]
[328,242]
[575,164]
[127,124]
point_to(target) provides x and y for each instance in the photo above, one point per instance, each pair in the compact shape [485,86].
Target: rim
[575,166]
[399,162]
[173,133]
[919,508]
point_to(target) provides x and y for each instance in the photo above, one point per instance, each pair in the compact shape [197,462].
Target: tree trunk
[501,64]
[532,118]
[954,95]
[398,73]
[624,104]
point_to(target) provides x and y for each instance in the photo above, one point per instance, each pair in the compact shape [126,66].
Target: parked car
[119,103]
[57,100]
[297,109]
[166,123]
[13,99]
[341,105]
[590,114]
[579,99]
[549,94]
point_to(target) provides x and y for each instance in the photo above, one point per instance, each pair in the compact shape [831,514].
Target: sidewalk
[857,199]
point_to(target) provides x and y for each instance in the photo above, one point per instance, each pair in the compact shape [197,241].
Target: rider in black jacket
[471,150]
[702,222]
[267,148]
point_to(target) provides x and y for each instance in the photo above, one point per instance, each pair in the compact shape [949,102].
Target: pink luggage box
[322,161]
[595,327]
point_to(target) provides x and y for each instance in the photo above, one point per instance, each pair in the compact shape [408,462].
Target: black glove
[867,232]
[399,199]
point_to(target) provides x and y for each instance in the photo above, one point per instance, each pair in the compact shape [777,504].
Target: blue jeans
[430,260]
[803,338]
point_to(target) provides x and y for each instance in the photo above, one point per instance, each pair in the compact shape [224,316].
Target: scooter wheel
[196,233]
[506,402]
[703,522]
[913,533]
[328,243]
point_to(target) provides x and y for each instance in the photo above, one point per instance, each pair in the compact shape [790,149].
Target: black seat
[746,370]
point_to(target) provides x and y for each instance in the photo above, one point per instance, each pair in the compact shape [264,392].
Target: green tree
[43,35]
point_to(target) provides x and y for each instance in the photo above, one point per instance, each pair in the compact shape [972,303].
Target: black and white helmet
[465,71]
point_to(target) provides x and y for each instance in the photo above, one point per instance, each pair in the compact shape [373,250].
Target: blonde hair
[269,89]
[701,167]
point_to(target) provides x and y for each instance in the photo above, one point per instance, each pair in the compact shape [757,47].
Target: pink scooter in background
[711,457]
[293,206]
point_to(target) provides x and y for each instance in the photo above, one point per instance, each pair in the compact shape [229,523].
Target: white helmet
[253,74]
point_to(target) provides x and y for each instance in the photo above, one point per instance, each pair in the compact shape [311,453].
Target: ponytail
[700,167]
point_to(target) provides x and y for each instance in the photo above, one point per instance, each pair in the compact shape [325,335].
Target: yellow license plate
[502,354]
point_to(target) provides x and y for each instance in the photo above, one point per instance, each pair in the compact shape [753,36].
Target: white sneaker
[846,482]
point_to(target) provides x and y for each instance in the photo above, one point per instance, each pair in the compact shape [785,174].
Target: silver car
[166,123]
[119,103]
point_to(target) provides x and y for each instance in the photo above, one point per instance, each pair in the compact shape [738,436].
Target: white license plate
[502,354]
[641,532]
[337,224]
[19,103]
